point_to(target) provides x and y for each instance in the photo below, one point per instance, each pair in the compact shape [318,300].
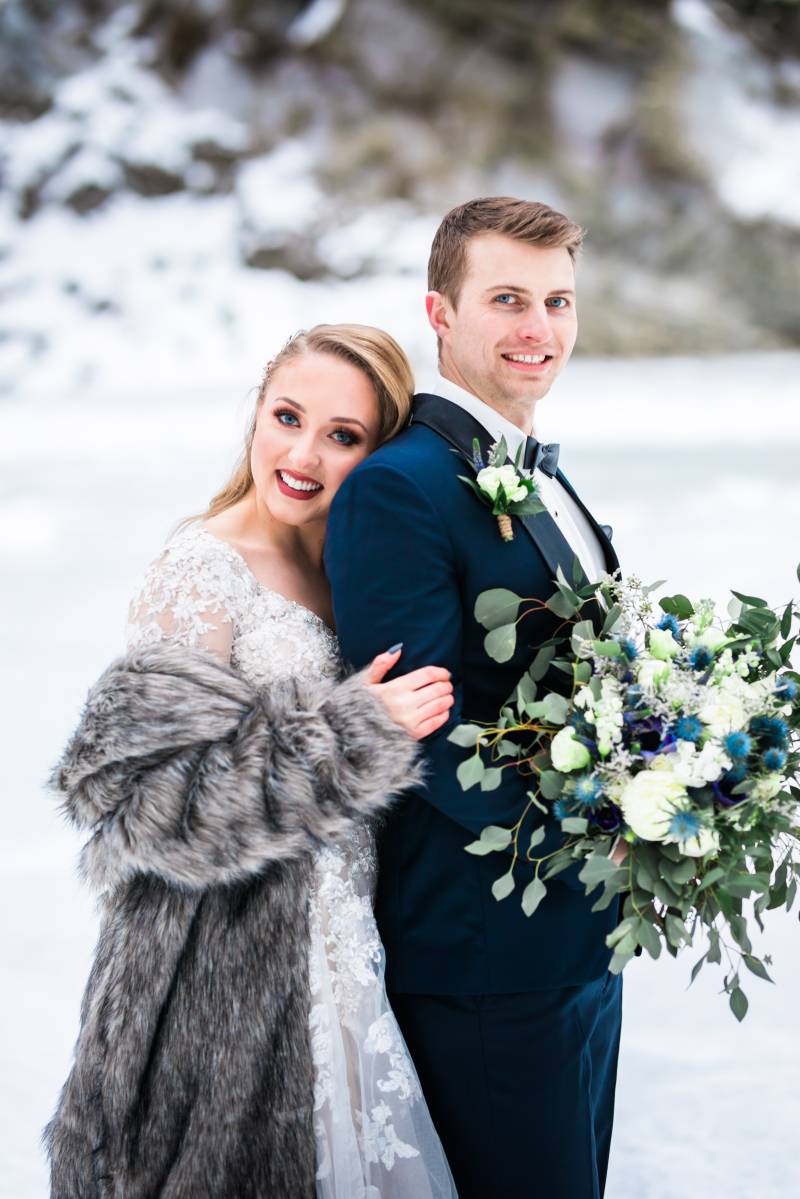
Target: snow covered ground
[694,464]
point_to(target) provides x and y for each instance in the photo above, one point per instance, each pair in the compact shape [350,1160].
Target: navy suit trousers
[520,1086]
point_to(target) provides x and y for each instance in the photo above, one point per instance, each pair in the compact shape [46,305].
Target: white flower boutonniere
[504,487]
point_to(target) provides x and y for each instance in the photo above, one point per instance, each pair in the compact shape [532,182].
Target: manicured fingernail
[395,648]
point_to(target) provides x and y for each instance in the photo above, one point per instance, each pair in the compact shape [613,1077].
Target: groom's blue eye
[557,301]
[503,297]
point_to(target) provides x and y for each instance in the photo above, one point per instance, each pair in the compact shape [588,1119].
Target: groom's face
[514,323]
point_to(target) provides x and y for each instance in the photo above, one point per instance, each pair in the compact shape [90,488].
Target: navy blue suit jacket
[409,549]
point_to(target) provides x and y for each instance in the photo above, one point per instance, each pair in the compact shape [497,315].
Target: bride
[236,1040]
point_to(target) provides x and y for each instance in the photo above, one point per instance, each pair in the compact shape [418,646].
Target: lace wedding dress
[374,1135]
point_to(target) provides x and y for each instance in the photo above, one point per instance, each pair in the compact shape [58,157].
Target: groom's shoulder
[415,452]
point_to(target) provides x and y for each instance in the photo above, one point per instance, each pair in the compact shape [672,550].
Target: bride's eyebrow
[335,420]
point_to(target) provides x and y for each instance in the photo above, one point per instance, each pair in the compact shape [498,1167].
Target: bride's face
[317,421]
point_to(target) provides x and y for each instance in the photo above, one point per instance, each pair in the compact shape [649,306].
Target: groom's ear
[437,306]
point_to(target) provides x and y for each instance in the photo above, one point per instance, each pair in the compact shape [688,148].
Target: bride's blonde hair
[372,350]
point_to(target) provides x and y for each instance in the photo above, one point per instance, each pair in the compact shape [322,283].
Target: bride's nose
[304,453]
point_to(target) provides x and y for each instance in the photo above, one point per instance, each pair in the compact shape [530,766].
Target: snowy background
[165,222]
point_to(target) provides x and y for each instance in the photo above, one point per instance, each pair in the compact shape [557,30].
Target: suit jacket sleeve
[394,576]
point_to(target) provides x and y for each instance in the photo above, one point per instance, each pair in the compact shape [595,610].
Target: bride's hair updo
[372,350]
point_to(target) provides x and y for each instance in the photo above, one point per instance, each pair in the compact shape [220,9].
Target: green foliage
[496,607]
[533,895]
[492,839]
[501,642]
[677,605]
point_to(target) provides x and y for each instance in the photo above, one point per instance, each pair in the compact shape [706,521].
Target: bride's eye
[347,437]
[285,417]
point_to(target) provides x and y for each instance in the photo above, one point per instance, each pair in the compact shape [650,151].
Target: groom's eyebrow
[335,420]
[524,291]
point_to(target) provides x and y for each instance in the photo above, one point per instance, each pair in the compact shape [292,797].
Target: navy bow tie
[540,457]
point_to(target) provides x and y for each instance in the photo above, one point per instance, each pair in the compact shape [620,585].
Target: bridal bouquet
[676,735]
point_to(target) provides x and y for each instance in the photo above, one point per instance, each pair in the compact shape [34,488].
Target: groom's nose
[534,326]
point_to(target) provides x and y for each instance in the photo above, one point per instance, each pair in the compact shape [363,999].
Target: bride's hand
[419,702]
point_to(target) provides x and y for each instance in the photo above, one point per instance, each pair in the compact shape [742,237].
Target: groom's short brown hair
[524,220]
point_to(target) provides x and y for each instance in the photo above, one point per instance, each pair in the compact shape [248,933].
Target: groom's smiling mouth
[298,487]
[529,363]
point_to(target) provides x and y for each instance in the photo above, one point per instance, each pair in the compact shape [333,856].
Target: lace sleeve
[189,596]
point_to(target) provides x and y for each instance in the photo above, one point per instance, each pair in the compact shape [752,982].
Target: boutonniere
[506,488]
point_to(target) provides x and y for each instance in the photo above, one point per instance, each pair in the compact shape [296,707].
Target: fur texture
[193,1076]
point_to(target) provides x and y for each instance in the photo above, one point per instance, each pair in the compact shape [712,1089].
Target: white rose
[662,644]
[649,802]
[697,847]
[651,673]
[724,710]
[710,639]
[566,752]
[491,478]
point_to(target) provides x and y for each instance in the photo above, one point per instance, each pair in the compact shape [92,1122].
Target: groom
[512,1022]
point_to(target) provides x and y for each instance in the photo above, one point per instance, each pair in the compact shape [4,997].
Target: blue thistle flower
[668,621]
[701,658]
[771,730]
[561,809]
[786,688]
[628,647]
[684,825]
[689,728]
[737,745]
[588,791]
[774,759]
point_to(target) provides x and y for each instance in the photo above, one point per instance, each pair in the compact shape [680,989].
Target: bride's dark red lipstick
[292,492]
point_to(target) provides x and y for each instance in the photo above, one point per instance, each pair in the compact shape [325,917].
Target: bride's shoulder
[197,578]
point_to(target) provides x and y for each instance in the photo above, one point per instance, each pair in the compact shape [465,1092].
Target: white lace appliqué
[374,1135]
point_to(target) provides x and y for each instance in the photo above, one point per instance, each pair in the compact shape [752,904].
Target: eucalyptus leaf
[622,930]
[539,667]
[676,931]
[465,735]
[533,895]
[739,1004]
[503,886]
[491,778]
[756,966]
[607,649]
[677,605]
[501,642]
[574,824]
[754,601]
[556,708]
[696,968]
[612,616]
[619,961]
[537,836]
[561,606]
[470,772]
[551,784]
[649,938]
[496,607]
[583,672]
[493,839]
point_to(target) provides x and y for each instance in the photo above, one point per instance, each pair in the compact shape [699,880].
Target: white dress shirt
[565,512]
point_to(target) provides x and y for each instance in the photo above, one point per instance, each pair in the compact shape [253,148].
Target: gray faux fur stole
[203,794]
